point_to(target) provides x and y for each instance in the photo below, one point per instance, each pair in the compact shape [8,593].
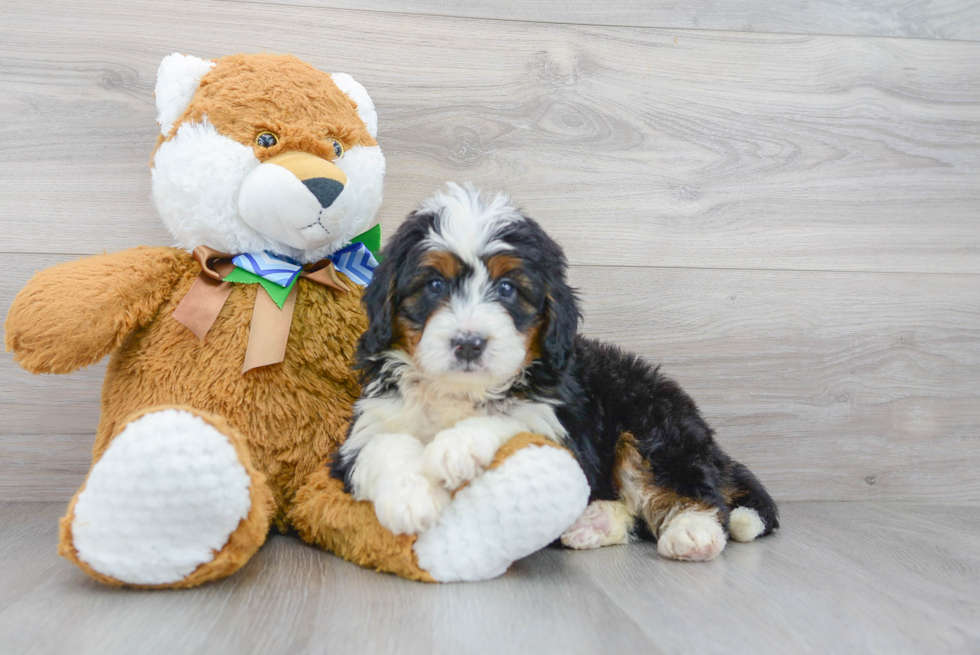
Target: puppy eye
[435,286]
[506,290]
[266,139]
[338,149]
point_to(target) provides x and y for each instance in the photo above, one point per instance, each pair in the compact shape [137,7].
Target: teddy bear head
[264,153]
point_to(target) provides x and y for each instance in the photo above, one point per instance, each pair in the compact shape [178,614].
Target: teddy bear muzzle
[296,198]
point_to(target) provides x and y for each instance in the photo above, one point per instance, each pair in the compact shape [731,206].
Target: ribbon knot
[272,314]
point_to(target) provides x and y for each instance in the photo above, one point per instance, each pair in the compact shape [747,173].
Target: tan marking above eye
[502,264]
[445,262]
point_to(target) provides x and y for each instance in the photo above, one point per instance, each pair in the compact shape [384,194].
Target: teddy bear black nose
[325,189]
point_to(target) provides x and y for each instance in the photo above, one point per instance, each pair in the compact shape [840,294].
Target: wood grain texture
[694,149]
[39,467]
[838,578]
[831,386]
[932,19]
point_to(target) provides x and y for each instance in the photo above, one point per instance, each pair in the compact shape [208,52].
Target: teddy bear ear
[365,106]
[177,80]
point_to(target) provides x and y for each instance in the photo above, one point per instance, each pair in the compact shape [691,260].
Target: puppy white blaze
[468,224]
[471,310]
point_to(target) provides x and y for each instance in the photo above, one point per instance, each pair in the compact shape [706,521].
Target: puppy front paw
[459,454]
[694,536]
[410,505]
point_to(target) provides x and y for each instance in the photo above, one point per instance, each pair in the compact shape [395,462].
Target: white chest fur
[424,409]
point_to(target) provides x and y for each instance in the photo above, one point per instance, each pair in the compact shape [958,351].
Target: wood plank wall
[780,201]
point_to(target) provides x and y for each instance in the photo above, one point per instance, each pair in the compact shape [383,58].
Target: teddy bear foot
[527,498]
[160,507]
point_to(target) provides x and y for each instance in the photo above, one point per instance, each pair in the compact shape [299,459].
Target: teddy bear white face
[298,177]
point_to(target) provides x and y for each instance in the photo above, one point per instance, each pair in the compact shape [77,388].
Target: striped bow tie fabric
[266,266]
[356,262]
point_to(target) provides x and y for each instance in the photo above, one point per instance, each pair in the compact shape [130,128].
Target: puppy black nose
[468,347]
[325,189]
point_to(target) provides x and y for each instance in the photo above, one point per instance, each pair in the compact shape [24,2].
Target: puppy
[473,339]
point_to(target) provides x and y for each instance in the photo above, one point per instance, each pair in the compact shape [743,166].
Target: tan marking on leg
[635,484]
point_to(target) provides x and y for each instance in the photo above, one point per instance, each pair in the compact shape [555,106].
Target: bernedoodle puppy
[473,339]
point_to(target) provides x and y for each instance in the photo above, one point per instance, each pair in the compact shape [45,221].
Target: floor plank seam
[602,25]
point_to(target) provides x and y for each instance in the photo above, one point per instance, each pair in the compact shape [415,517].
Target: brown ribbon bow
[269,330]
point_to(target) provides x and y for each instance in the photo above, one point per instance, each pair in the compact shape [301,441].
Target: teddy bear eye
[266,139]
[338,149]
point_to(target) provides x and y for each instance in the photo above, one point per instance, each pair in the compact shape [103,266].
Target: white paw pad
[603,523]
[695,536]
[745,524]
[164,497]
[459,454]
[409,504]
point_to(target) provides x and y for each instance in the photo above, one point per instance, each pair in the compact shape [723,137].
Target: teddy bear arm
[73,314]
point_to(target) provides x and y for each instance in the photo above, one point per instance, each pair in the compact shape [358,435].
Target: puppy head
[473,292]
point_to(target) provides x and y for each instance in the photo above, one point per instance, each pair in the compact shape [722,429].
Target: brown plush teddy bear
[230,383]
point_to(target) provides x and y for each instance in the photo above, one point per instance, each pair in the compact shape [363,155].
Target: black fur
[609,392]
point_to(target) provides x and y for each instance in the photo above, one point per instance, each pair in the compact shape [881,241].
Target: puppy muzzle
[469,346]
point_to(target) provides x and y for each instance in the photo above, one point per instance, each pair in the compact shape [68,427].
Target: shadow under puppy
[473,339]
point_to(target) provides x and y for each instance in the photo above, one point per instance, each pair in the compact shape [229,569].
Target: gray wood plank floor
[838,578]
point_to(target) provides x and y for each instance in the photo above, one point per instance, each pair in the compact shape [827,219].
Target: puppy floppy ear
[561,316]
[379,302]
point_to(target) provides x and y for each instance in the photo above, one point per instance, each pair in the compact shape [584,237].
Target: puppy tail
[753,511]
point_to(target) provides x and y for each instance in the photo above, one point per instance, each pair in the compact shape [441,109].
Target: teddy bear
[230,382]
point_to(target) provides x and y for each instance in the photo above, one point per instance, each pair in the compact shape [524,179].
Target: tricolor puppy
[473,339]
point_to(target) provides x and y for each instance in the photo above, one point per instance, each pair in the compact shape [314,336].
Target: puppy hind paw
[410,505]
[603,523]
[745,524]
[693,536]
[459,454]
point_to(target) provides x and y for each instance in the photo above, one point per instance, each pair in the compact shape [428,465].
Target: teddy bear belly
[293,414]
